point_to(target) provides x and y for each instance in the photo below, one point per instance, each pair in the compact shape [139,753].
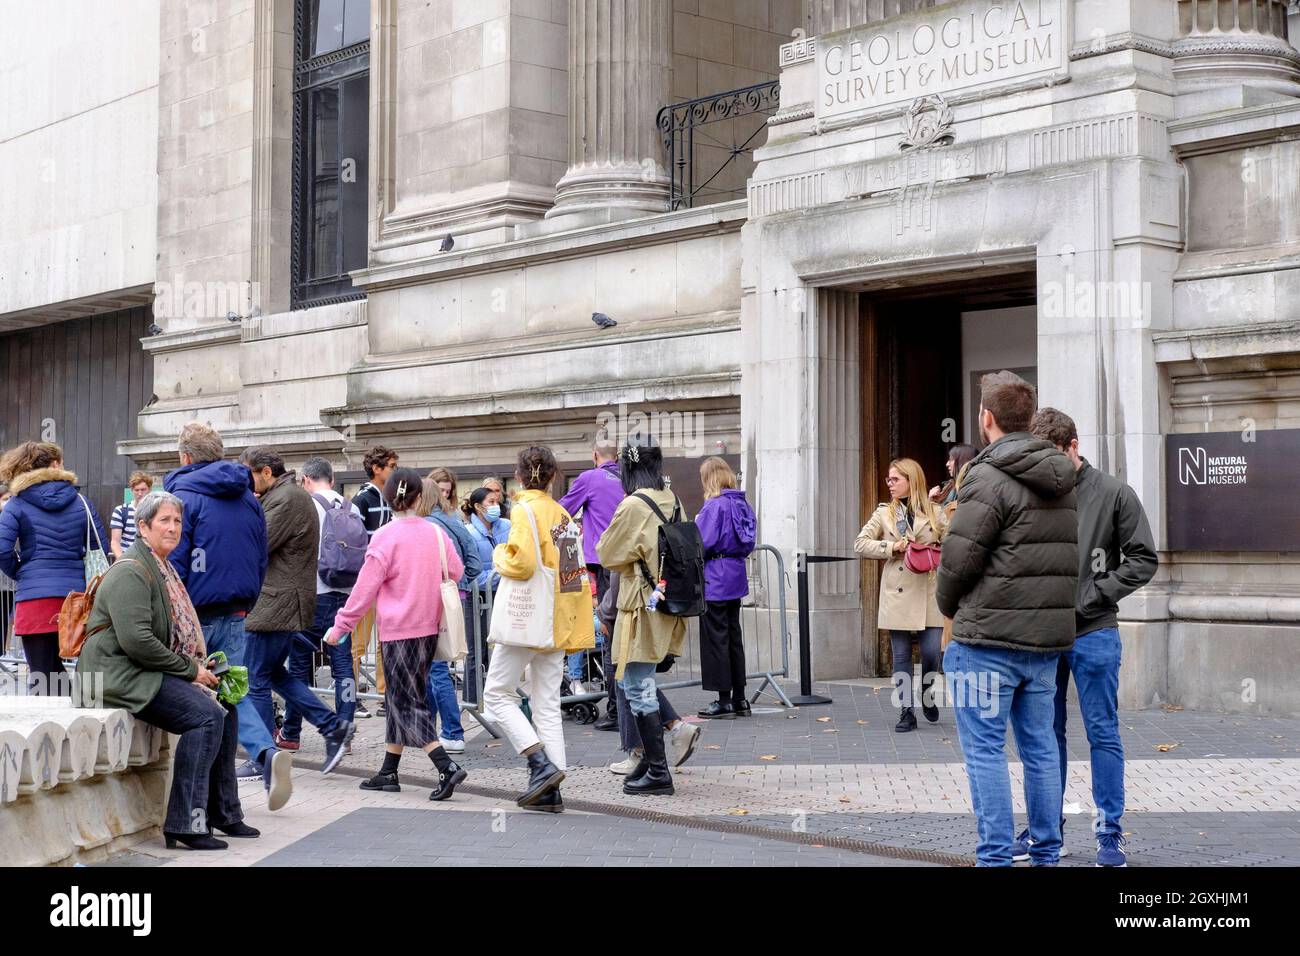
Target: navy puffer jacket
[221,556]
[43,534]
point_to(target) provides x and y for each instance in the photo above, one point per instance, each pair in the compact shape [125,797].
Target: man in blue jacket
[221,558]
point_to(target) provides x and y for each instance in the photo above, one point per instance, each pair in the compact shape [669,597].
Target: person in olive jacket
[287,605]
[144,652]
[1007,578]
[1117,555]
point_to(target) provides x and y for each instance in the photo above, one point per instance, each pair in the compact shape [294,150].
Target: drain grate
[851,844]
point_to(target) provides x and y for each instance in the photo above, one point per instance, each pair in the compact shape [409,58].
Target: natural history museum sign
[971,45]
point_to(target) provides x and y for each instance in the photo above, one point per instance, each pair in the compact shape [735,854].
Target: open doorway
[924,349]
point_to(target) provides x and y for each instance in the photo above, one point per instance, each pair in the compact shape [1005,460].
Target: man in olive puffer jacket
[1007,579]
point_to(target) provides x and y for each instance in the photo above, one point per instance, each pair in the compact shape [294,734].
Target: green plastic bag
[234,682]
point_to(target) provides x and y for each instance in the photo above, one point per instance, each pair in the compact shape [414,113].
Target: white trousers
[538,674]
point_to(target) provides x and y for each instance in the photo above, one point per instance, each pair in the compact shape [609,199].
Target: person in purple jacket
[727,527]
[592,499]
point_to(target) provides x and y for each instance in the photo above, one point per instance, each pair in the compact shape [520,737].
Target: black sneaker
[381,710]
[336,744]
[361,713]
[608,722]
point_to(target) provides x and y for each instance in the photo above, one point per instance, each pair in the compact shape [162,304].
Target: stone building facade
[1100,195]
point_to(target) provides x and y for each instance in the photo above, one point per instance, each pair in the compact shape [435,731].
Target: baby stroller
[584,708]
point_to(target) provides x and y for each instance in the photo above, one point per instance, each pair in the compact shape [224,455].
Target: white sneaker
[279,780]
[626,766]
[681,742]
[452,746]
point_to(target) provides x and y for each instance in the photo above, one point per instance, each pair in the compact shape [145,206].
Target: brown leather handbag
[74,614]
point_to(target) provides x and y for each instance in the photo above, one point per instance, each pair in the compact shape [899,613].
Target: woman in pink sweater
[400,580]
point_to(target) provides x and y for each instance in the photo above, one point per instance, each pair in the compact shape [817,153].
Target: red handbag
[921,558]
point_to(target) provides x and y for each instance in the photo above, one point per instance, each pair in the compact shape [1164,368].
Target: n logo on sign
[1191,466]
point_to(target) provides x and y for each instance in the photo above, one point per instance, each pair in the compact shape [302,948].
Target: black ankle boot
[549,802]
[607,722]
[906,721]
[656,779]
[240,829]
[543,777]
[741,706]
[195,841]
[447,781]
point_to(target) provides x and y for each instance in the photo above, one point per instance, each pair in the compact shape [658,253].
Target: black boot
[741,706]
[906,721]
[240,829]
[928,706]
[550,802]
[610,720]
[543,777]
[656,779]
[195,841]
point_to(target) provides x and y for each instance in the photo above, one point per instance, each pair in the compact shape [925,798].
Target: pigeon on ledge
[604,321]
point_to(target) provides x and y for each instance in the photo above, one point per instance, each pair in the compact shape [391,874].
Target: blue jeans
[639,686]
[442,701]
[226,633]
[1094,661]
[575,664]
[340,660]
[266,652]
[986,685]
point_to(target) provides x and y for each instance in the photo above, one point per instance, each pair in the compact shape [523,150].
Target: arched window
[331,139]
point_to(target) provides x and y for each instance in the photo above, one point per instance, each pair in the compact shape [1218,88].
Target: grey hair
[147,508]
[317,469]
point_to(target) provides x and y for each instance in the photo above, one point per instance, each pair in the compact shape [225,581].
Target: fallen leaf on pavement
[738,812]
[792,717]
[767,757]
[712,747]
[845,800]
[494,745]
[1171,708]
[823,720]
[862,722]
[830,730]
[1165,748]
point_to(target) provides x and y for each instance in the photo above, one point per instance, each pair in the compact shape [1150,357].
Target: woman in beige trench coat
[907,605]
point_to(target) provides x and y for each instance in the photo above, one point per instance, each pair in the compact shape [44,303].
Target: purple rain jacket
[596,493]
[727,526]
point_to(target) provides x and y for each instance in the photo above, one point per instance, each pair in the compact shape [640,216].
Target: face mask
[493,512]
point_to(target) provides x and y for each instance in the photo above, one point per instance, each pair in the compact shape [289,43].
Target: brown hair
[201,442]
[429,496]
[445,474]
[409,483]
[377,457]
[1052,424]
[1010,398]
[716,474]
[536,467]
[29,456]
[139,476]
[263,456]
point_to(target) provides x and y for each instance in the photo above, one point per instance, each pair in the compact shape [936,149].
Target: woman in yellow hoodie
[542,740]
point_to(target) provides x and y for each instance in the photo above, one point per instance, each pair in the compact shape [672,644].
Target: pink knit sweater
[401,580]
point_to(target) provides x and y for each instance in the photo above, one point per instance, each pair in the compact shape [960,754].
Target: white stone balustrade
[74,780]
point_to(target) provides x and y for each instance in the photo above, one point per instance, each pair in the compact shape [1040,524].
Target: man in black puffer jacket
[1007,579]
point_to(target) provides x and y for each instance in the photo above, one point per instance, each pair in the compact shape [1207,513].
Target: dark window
[331,108]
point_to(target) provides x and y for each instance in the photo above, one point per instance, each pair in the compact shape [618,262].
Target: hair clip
[401,490]
[537,472]
[633,455]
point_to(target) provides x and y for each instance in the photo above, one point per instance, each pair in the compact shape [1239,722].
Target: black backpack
[681,563]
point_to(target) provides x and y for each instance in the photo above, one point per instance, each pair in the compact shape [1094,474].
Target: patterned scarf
[187,633]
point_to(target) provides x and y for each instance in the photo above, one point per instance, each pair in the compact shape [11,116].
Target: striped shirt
[124,520]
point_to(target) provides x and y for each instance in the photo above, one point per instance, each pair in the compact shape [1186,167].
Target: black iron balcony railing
[710,142]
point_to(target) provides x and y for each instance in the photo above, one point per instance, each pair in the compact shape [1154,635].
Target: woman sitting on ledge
[144,639]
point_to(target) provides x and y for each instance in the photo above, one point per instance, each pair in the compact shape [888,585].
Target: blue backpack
[343,541]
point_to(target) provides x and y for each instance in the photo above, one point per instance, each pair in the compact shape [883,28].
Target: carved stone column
[619,78]
[1223,42]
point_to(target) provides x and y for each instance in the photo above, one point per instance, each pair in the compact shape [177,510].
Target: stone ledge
[75,779]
